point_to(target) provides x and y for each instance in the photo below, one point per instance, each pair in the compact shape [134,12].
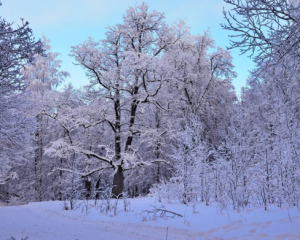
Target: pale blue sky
[70,22]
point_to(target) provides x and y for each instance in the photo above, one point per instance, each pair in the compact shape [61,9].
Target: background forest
[160,114]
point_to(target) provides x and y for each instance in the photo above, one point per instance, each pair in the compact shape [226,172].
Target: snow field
[48,220]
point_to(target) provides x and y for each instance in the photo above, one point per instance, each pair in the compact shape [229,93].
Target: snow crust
[48,220]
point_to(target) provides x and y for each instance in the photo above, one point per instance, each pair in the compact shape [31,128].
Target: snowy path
[42,224]
[47,221]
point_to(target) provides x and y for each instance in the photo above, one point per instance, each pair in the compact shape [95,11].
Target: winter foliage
[159,116]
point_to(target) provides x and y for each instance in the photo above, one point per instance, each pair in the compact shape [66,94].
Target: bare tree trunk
[60,196]
[88,187]
[88,179]
[118,183]
[38,159]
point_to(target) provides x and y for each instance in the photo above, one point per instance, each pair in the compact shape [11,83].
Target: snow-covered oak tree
[126,72]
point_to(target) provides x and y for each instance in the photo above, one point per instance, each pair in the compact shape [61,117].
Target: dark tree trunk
[38,158]
[133,110]
[97,187]
[118,183]
[88,187]
[60,194]
[88,180]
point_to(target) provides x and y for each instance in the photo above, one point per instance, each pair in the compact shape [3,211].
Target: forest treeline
[159,115]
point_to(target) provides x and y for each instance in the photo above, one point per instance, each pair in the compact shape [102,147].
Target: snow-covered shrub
[73,193]
[126,202]
[107,203]
[169,191]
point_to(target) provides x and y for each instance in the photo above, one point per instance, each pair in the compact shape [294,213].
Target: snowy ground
[48,220]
